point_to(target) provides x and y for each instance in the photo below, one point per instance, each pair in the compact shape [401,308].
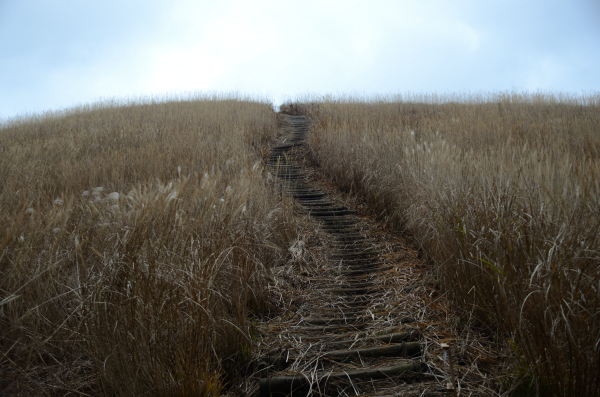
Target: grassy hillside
[135,244]
[503,194]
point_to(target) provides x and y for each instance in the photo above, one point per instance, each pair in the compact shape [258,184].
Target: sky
[60,54]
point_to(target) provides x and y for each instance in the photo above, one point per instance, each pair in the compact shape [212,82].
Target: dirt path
[360,314]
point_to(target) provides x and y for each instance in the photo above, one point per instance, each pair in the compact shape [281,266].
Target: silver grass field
[502,192]
[137,238]
[135,247]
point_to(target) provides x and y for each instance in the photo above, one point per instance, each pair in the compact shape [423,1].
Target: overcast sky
[60,53]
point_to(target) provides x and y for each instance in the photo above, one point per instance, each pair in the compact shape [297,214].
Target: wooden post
[452,384]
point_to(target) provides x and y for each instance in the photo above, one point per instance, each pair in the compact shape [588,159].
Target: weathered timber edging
[291,383]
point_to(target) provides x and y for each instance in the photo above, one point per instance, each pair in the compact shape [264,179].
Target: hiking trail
[361,315]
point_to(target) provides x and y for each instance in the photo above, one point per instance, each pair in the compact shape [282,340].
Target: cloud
[63,53]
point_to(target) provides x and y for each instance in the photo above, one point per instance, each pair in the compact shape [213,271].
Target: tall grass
[135,246]
[502,192]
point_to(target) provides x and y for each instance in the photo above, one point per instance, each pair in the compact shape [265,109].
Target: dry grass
[135,246]
[502,192]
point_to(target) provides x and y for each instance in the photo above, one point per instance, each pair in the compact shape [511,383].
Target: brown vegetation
[502,192]
[135,245]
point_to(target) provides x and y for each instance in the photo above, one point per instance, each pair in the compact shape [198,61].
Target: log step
[286,385]
[335,320]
